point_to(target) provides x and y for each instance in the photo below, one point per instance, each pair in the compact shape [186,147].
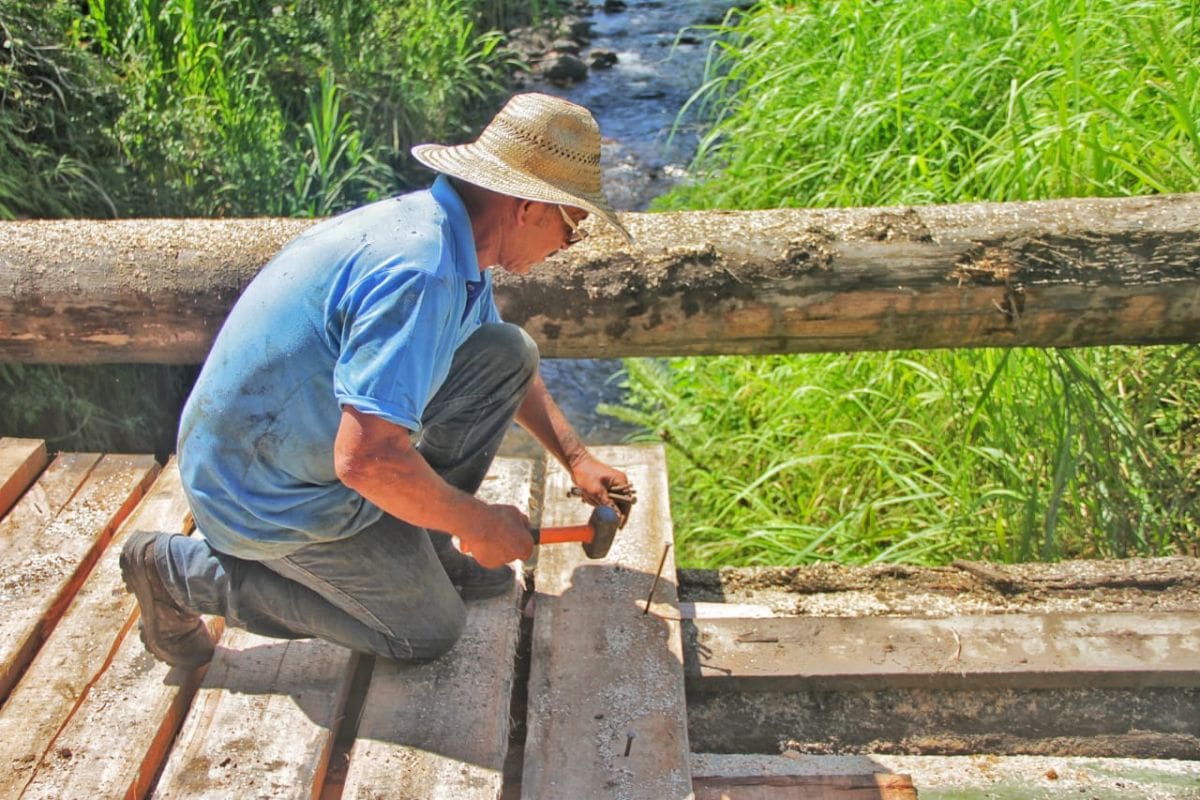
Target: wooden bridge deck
[87,713]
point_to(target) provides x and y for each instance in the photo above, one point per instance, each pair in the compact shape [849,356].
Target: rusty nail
[662,561]
[630,736]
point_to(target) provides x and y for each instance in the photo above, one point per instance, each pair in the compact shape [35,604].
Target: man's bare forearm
[545,421]
[542,417]
[379,461]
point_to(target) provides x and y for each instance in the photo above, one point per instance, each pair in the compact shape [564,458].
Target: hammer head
[604,523]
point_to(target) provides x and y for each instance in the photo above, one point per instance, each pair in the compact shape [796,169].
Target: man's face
[541,230]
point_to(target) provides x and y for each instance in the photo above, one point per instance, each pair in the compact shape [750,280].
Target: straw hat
[538,147]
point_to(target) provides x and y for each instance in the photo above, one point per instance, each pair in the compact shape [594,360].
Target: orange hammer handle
[566,533]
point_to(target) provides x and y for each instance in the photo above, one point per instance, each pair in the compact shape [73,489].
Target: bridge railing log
[1051,274]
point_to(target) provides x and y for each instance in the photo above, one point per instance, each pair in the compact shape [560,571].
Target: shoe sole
[484,591]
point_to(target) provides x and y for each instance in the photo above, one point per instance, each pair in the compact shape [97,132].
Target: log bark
[1052,274]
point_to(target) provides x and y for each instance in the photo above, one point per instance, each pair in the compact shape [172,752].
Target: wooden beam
[43,567]
[1018,651]
[440,730]
[1053,273]
[69,667]
[21,461]
[601,669]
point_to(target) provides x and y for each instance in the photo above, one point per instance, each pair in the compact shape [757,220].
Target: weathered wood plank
[118,738]
[439,731]
[602,669]
[72,661]
[874,786]
[1025,651]
[262,724]
[982,776]
[21,461]
[742,611]
[43,567]
[1053,273]
[38,506]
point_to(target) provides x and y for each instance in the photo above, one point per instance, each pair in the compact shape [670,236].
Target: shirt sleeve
[391,326]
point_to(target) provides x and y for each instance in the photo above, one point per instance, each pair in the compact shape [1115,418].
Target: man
[354,400]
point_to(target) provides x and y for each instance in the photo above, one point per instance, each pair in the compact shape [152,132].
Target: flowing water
[661,47]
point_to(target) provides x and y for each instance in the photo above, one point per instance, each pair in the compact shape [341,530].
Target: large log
[1056,273]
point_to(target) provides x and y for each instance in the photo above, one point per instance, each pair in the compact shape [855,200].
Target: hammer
[596,535]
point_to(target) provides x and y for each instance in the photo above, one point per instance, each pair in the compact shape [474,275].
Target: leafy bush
[217,108]
[54,105]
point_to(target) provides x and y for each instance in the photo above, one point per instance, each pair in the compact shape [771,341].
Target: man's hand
[594,478]
[497,536]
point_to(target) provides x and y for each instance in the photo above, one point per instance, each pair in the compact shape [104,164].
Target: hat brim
[475,165]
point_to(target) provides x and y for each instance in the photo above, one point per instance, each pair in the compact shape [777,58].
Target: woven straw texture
[538,147]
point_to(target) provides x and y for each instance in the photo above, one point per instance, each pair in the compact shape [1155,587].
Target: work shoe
[171,633]
[470,579]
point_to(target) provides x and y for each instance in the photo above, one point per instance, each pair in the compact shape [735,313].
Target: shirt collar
[460,224]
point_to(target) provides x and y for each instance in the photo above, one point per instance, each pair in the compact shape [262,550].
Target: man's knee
[441,632]
[511,346]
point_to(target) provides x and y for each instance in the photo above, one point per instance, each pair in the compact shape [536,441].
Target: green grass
[1008,455]
[924,457]
[851,103]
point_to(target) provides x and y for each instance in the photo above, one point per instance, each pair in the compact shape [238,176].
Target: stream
[660,57]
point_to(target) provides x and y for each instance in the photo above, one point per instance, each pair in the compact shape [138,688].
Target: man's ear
[526,212]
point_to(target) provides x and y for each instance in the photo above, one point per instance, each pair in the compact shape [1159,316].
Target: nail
[629,742]
[657,575]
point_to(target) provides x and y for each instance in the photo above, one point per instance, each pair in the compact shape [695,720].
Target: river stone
[602,59]
[566,46]
[580,30]
[564,69]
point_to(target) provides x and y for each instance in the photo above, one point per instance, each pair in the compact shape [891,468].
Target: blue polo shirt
[367,310]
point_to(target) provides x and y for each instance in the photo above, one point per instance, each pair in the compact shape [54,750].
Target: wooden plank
[1054,273]
[702,610]
[116,741]
[74,659]
[39,505]
[874,786]
[977,777]
[601,669]
[18,539]
[440,730]
[21,461]
[263,722]
[1025,651]
[43,568]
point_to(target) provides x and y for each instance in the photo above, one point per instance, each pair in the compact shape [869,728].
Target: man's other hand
[497,536]
[594,478]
